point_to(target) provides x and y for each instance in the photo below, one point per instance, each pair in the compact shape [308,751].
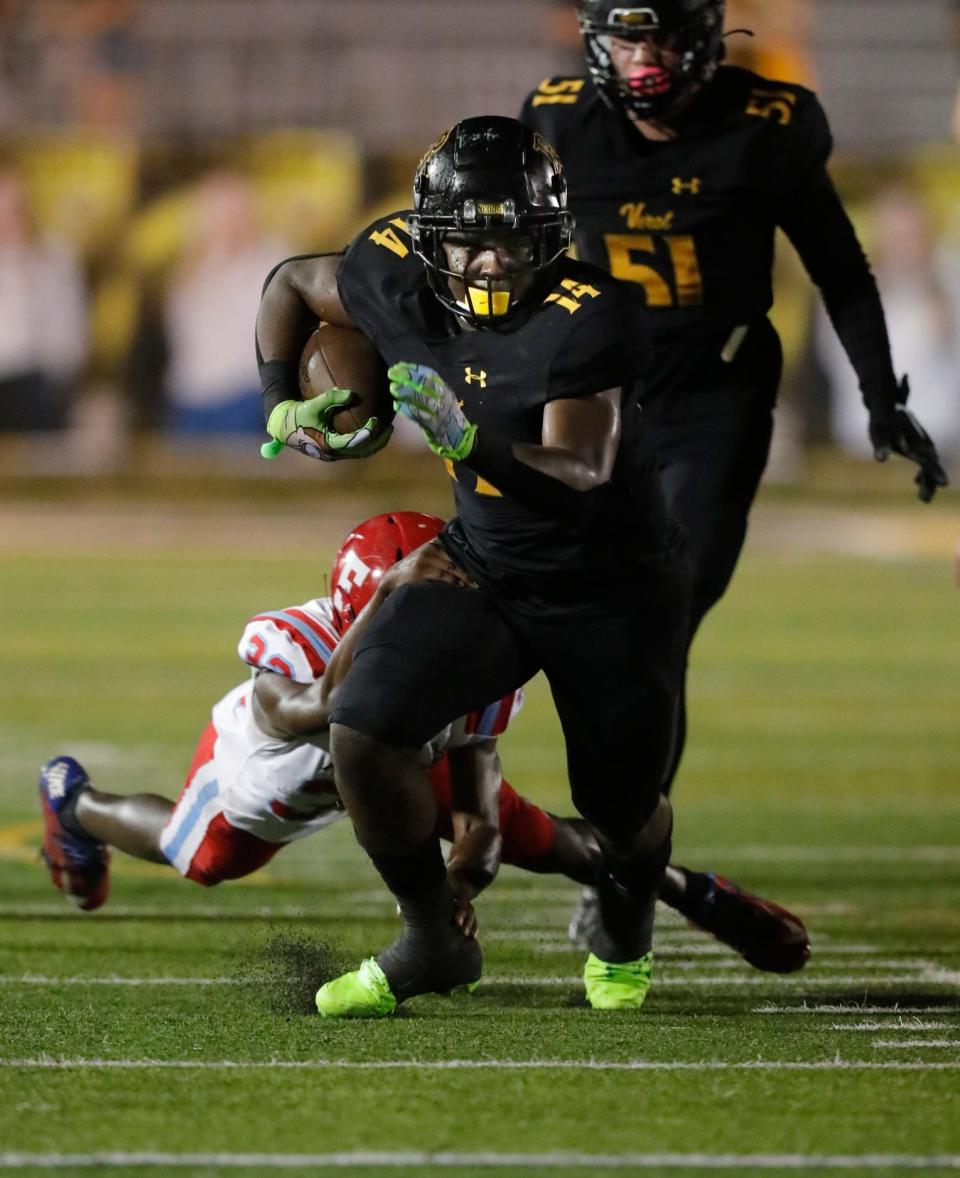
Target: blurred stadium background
[156,157]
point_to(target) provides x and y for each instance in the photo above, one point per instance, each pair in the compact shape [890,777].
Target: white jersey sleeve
[297,642]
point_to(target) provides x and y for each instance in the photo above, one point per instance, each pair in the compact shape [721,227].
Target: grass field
[168,1030]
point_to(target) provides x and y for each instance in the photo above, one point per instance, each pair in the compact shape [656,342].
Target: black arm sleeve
[278,382]
[817,224]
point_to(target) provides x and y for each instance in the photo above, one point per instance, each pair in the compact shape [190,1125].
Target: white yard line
[172,913]
[771,981]
[672,937]
[823,853]
[833,1008]
[32,979]
[48,1063]
[934,973]
[450,1160]
[704,947]
[676,963]
[901,1043]
[373,901]
[892,1025]
[834,908]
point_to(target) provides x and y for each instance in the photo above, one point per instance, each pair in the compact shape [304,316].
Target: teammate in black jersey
[680,169]
[513,359]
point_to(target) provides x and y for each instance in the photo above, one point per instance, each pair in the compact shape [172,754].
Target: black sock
[625,929]
[415,876]
[627,892]
[690,897]
[431,954]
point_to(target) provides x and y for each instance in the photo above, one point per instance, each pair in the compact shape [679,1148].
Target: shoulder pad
[806,132]
[297,642]
[792,111]
[782,103]
[378,266]
[583,286]
[601,330]
[389,233]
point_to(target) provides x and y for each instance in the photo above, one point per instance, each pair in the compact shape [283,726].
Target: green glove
[290,419]
[423,396]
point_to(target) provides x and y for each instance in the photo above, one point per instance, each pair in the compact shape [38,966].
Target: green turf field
[169,1028]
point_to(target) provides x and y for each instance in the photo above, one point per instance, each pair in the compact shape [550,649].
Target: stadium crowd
[122,242]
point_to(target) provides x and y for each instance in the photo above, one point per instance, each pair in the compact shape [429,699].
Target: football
[342,358]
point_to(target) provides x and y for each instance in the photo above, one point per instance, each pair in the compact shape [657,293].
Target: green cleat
[620,986]
[466,988]
[364,993]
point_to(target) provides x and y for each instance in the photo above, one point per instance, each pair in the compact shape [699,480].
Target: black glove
[895,429]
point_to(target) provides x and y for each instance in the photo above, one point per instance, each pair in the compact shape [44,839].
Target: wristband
[278,380]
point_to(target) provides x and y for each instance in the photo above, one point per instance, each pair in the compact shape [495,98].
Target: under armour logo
[681,186]
[471,376]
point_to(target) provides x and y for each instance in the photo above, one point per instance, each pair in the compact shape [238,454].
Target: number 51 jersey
[690,220]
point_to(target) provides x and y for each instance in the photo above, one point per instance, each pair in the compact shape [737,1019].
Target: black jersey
[690,220]
[587,336]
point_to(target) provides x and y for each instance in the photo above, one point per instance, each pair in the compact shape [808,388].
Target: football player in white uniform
[262,776]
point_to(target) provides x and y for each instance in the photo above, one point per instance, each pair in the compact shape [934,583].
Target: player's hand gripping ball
[346,409]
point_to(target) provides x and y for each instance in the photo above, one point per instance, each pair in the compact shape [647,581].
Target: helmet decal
[545,147]
[434,148]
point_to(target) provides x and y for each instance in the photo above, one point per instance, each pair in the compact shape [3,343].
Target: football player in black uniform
[513,360]
[680,170]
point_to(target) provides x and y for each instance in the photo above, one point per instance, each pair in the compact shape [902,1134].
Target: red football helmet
[370,549]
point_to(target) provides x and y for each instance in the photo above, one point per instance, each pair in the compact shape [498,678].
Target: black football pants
[435,653]
[711,432]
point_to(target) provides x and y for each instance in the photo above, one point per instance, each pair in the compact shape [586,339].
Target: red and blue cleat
[765,935]
[79,865]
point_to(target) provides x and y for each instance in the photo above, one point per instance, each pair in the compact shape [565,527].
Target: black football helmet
[694,26]
[491,175]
